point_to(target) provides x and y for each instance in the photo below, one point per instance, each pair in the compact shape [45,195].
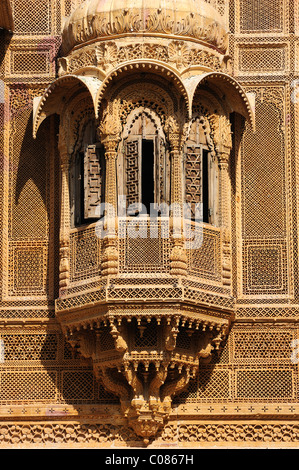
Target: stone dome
[106,19]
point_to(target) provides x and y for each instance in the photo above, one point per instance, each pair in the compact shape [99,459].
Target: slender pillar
[64,234]
[225,216]
[178,257]
[110,135]
[221,131]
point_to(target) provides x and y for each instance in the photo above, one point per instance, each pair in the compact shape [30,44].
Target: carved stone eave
[223,84]
[87,315]
[55,96]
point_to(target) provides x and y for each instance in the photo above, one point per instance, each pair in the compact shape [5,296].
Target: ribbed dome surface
[109,18]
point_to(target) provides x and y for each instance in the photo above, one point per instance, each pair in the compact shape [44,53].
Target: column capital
[223,158]
[109,131]
[176,131]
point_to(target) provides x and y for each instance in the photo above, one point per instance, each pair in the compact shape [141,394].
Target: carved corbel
[119,341]
[137,387]
[116,387]
[85,343]
[171,332]
[205,347]
[173,387]
[155,386]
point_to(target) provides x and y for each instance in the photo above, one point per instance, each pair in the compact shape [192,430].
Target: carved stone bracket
[147,361]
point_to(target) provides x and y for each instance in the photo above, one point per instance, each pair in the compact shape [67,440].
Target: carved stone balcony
[145,329]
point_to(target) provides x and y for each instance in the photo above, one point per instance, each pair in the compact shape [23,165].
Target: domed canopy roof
[194,19]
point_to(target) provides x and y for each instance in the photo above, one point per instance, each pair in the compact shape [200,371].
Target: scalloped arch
[143,66]
[55,96]
[231,92]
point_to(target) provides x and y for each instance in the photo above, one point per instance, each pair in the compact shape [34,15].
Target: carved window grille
[144,173]
[200,176]
[87,183]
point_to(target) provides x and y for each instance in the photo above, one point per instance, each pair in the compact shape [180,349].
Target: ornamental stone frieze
[146,299]
[105,55]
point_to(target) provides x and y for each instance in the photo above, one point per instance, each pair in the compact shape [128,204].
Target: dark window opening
[88,186]
[147,174]
[81,182]
[205,186]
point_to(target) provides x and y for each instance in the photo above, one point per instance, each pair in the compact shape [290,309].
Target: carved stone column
[64,234]
[223,143]
[109,130]
[225,216]
[178,258]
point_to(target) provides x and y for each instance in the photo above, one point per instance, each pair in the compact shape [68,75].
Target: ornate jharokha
[144,133]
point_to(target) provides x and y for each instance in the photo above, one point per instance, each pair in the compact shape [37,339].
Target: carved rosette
[147,361]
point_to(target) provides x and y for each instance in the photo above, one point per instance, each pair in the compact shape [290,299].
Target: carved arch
[224,86]
[141,67]
[135,114]
[59,93]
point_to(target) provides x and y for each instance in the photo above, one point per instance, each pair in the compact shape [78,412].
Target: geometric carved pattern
[193,178]
[149,251]
[261,16]
[209,385]
[93,181]
[263,59]
[29,269]
[20,386]
[255,364]
[85,254]
[28,347]
[264,346]
[23,61]
[205,261]
[57,434]
[263,170]
[265,271]
[270,384]
[78,386]
[132,172]
[36,21]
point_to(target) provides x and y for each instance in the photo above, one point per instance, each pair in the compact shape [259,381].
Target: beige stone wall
[249,396]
